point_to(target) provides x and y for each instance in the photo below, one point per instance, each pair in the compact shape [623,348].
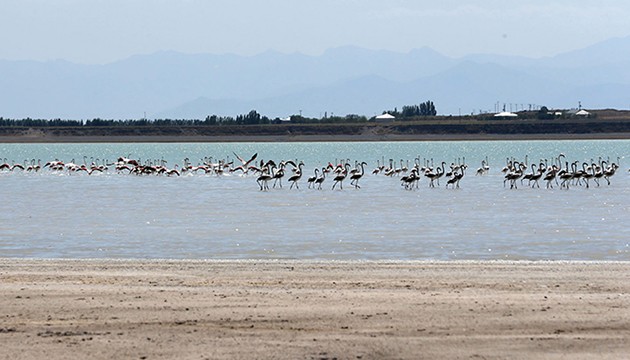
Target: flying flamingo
[245,164]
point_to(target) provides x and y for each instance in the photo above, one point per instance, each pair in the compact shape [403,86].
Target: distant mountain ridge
[346,80]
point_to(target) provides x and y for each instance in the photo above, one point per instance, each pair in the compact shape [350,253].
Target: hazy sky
[100,31]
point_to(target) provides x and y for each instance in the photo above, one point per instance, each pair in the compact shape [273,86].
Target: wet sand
[104,309]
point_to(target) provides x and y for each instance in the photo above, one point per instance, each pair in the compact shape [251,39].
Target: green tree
[427,109]
[410,111]
[543,114]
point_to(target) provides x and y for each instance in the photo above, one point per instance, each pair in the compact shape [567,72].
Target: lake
[61,214]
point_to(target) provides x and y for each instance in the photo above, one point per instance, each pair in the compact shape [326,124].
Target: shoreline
[168,261]
[26,139]
[231,309]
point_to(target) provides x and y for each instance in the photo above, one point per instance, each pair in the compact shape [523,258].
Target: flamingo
[263,179]
[514,175]
[484,168]
[128,161]
[408,180]
[357,176]
[377,169]
[245,164]
[278,175]
[311,180]
[295,178]
[5,165]
[588,172]
[599,173]
[566,176]
[389,171]
[341,177]
[533,179]
[172,172]
[528,177]
[321,179]
[33,166]
[610,171]
[17,166]
[435,175]
[457,176]
[551,176]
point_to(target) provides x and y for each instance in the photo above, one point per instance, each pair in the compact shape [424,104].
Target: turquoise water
[197,216]
[315,153]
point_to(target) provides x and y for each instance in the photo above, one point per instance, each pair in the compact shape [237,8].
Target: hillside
[341,81]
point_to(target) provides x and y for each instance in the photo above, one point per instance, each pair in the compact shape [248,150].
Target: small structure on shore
[505,115]
[286,120]
[578,113]
[385,118]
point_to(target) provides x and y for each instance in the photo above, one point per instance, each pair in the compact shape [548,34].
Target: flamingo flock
[411,175]
[557,171]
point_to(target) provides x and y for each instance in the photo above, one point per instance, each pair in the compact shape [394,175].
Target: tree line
[251,118]
[426,108]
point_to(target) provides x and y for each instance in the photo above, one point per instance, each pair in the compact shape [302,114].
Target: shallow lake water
[56,214]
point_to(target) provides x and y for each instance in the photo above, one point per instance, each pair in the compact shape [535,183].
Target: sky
[102,31]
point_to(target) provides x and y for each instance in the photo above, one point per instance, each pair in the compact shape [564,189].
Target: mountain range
[341,81]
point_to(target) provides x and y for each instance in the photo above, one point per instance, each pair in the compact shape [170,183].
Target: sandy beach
[104,309]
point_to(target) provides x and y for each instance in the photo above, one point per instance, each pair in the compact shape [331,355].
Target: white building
[505,115]
[385,118]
